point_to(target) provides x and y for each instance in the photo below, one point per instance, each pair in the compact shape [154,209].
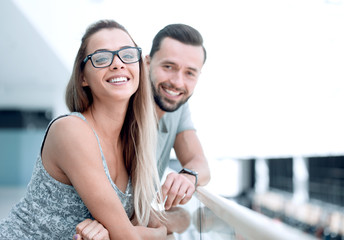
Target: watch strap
[190,172]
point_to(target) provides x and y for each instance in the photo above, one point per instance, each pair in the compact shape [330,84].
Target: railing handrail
[248,223]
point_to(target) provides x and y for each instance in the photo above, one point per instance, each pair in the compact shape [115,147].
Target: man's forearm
[201,166]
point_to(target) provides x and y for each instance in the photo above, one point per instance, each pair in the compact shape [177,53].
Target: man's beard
[165,104]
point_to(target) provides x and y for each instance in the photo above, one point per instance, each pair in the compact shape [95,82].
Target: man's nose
[177,79]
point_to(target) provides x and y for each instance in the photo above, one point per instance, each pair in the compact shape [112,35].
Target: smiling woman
[98,148]
[101,58]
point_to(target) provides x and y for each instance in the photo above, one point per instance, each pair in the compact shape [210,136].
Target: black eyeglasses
[102,59]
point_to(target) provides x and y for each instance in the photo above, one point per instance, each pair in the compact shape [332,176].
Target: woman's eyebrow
[104,49]
[100,50]
[127,46]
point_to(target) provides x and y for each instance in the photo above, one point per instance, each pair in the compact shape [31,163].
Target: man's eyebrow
[168,62]
[173,63]
[193,69]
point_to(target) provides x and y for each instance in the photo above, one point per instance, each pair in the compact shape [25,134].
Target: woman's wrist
[163,231]
[149,233]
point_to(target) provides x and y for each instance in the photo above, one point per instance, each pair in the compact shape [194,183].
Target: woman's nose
[117,63]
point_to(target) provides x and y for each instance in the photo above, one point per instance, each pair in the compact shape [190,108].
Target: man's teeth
[120,79]
[173,93]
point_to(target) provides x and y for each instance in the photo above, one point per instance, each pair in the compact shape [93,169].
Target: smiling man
[175,63]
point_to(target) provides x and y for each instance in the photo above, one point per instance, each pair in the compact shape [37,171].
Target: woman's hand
[91,230]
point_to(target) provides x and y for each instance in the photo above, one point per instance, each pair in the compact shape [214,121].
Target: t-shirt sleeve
[185,121]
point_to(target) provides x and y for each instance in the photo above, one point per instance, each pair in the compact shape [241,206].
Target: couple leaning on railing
[99,161]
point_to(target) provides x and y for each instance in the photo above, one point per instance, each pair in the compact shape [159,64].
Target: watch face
[186,170]
[193,173]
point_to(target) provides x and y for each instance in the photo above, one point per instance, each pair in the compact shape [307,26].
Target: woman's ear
[84,82]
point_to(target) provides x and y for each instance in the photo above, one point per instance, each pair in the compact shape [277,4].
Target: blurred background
[268,106]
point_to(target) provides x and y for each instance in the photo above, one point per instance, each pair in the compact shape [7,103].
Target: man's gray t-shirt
[170,125]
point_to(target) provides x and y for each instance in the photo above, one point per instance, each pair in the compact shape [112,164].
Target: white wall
[273,81]
[31,76]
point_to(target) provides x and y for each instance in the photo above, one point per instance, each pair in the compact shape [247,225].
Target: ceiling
[32,76]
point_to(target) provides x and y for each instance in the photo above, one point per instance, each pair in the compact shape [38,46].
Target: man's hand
[178,188]
[91,230]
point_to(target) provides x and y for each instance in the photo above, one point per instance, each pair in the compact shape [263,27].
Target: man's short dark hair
[180,32]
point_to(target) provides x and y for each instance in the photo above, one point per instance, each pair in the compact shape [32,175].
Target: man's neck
[159,112]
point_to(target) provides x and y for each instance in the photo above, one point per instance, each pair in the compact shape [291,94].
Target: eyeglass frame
[114,53]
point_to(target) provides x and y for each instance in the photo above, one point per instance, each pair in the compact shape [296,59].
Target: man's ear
[147,60]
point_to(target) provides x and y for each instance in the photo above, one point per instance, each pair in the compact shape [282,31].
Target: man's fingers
[171,195]
[180,195]
[188,196]
[166,186]
[177,189]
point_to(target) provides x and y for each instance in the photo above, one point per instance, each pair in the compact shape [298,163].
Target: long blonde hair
[138,133]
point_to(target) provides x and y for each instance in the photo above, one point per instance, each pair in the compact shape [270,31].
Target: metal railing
[228,218]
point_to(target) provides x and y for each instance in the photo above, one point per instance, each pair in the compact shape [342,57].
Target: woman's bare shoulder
[70,143]
[69,121]
[70,130]
[70,124]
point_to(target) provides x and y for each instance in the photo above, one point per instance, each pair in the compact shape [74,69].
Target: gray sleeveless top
[51,209]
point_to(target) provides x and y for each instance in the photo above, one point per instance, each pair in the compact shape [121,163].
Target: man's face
[174,72]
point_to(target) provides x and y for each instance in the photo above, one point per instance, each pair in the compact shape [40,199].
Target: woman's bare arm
[71,145]
[92,229]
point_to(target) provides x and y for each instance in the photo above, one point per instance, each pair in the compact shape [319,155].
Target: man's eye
[167,66]
[191,74]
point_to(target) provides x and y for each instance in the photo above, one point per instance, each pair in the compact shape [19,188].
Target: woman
[99,160]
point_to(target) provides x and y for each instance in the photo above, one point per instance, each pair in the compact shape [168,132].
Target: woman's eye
[128,56]
[101,60]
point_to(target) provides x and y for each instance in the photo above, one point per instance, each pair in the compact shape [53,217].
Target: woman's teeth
[120,79]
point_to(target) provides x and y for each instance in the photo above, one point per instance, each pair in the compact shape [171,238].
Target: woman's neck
[107,121]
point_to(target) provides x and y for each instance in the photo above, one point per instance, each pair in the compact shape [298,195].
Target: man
[175,63]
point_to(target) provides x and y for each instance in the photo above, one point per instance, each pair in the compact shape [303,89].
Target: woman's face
[119,81]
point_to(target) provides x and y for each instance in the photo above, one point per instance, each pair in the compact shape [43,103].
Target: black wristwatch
[191,172]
